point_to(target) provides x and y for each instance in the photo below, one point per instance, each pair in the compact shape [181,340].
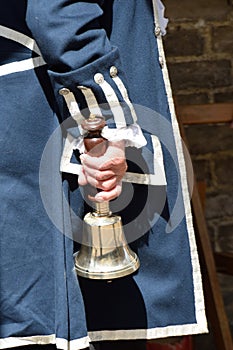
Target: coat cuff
[98,88]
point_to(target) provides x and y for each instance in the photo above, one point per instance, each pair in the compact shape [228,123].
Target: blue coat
[59,60]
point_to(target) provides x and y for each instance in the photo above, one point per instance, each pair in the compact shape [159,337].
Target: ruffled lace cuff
[132,135]
[162,20]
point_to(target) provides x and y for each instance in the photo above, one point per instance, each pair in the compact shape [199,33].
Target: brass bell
[104,252]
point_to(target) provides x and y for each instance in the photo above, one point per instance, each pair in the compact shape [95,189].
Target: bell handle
[94,143]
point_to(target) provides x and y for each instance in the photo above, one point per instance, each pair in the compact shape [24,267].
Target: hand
[105,172]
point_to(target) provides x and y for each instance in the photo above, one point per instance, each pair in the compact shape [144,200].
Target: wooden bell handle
[94,143]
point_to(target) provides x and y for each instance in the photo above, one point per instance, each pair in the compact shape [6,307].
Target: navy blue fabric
[34,254]
[40,293]
[64,28]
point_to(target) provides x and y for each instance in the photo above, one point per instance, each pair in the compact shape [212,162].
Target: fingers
[104,185]
[116,163]
[114,158]
[99,175]
[104,180]
[104,172]
[103,162]
[109,195]
[82,180]
[111,188]
[102,168]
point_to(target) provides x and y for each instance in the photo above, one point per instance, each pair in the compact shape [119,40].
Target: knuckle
[98,176]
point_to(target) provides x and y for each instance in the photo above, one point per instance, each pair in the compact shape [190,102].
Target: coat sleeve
[84,67]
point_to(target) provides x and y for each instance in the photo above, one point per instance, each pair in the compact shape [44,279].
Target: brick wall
[199,51]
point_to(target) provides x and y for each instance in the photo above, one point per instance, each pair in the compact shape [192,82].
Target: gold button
[64,91]
[161,61]
[113,71]
[157,31]
[99,78]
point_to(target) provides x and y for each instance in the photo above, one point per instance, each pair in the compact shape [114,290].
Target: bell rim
[132,267]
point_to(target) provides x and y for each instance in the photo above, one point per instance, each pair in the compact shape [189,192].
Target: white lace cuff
[132,135]
[162,20]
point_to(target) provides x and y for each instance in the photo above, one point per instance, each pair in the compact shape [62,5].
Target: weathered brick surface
[195,10]
[199,49]
[202,170]
[221,97]
[203,139]
[203,74]
[188,42]
[225,237]
[224,170]
[192,98]
[222,39]
[219,205]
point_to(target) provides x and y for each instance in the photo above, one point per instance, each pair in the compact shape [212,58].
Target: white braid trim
[114,104]
[91,100]
[73,108]
[124,94]
[21,66]
[201,326]
[20,38]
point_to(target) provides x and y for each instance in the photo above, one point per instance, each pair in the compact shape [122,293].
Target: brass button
[99,78]
[113,71]
[161,61]
[64,91]
[157,31]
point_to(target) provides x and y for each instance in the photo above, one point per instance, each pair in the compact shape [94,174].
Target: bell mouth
[106,267]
